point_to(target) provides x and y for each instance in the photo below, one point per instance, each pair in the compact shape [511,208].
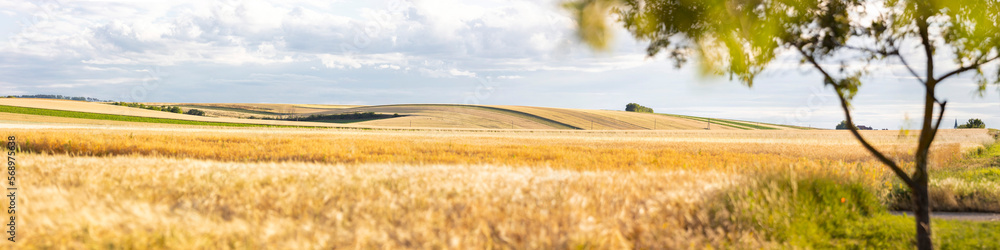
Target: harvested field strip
[125,118]
[772,125]
[247,111]
[649,121]
[713,121]
[576,118]
[745,124]
[740,124]
[543,120]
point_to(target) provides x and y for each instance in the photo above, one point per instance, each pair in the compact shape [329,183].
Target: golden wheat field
[181,187]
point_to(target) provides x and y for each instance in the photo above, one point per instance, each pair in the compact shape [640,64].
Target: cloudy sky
[508,52]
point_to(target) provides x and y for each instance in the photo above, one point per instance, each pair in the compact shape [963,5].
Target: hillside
[103,108]
[409,115]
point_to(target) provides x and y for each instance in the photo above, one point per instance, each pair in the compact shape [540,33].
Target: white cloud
[389,60]
[455,72]
[253,50]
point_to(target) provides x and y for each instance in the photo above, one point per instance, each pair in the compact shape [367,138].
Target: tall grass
[972,184]
[831,210]
[578,152]
[302,189]
[153,202]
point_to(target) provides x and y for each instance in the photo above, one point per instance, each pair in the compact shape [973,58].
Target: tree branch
[967,68]
[850,124]
[940,118]
[925,132]
[869,50]
[885,160]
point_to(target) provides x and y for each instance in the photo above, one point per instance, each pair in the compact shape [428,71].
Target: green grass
[953,234]
[125,118]
[810,213]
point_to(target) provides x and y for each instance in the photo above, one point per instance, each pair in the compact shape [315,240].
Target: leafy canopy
[635,107]
[739,38]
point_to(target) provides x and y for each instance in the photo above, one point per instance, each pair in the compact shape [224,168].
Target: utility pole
[591,125]
[654,124]
[709,123]
[511,124]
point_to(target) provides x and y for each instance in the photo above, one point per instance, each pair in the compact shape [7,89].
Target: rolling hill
[409,116]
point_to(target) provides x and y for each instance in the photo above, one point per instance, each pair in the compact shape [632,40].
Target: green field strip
[127,118]
[779,125]
[713,121]
[748,125]
[796,127]
[774,125]
[741,124]
[529,116]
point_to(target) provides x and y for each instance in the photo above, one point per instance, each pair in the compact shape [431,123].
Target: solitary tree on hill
[839,39]
[635,107]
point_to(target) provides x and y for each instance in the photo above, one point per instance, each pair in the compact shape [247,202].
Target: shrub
[195,112]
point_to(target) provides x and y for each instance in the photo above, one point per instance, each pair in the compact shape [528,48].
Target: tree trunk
[923,214]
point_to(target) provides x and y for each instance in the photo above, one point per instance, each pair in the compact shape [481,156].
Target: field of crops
[56,110]
[122,118]
[177,187]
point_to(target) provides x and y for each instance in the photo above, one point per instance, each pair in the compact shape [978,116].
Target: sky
[510,52]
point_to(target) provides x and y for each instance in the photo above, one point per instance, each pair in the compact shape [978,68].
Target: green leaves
[739,38]
[848,87]
[734,38]
[591,17]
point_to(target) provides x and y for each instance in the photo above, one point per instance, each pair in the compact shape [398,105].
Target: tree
[843,125]
[635,107]
[631,107]
[973,123]
[839,39]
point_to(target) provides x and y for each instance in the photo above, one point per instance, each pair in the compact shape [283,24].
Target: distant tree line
[195,112]
[171,109]
[635,107]
[343,116]
[843,126]
[973,123]
[61,97]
